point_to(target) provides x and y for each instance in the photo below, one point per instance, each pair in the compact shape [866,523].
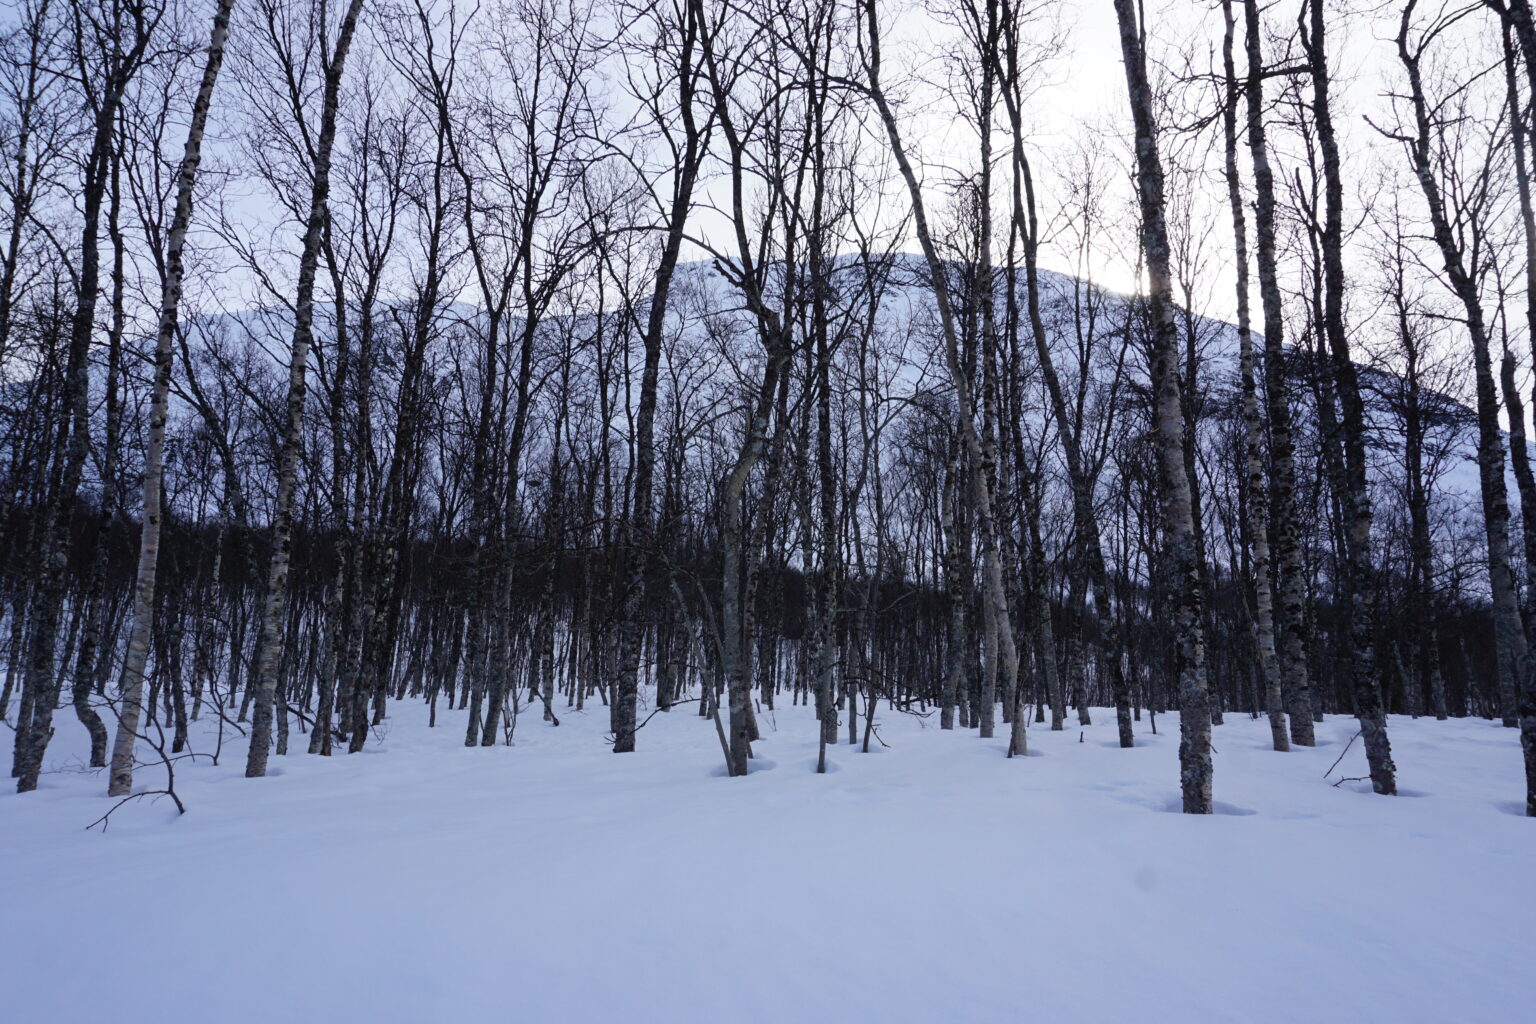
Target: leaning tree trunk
[638,532]
[1518,453]
[94,659]
[1026,224]
[274,615]
[131,708]
[1525,480]
[1178,508]
[72,434]
[1517,691]
[981,487]
[1508,629]
[734,641]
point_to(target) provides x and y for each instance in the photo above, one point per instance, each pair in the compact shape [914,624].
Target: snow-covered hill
[1087,326]
[1097,354]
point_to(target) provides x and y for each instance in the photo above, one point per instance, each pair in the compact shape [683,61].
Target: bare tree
[131,708]
[1361,665]
[108,49]
[274,615]
[1253,456]
[1291,582]
[1178,513]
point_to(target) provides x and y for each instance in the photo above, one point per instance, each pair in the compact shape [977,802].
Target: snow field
[934,880]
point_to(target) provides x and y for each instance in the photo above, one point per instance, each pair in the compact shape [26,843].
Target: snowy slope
[552,881]
[909,351]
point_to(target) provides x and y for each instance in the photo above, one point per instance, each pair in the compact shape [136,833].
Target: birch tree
[132,696]
[1178,516]
[272,628]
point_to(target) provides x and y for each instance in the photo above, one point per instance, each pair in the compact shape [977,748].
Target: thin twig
[102,821]
[613,737]
[1342,753]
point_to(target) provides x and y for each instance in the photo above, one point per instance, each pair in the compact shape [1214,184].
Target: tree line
[543,354]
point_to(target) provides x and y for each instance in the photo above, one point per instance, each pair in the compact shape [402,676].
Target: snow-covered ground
[931,881]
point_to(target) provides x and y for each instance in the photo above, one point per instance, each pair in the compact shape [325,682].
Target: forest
[767,510]
[710,356]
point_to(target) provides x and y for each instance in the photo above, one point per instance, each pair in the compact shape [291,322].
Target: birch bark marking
[71,436]
[1290,617]
[121,775]
[981,486]
[274,613]
[1361,667]
[1178,508]
[1253,460]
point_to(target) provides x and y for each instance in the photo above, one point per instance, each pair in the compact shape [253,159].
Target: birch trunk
[956,582]
[1253,456]
[1178,510]
[1518,17]
[1508,629]
[71,435]
[1290,581]
[272,631]
[1361,665]
[131,707]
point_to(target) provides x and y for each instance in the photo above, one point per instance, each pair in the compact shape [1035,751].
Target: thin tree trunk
[1508,628]
[72,440]
[1361,665]
[1253,457]
[1290,589]
[638,533]
[275,604]
[121,777]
